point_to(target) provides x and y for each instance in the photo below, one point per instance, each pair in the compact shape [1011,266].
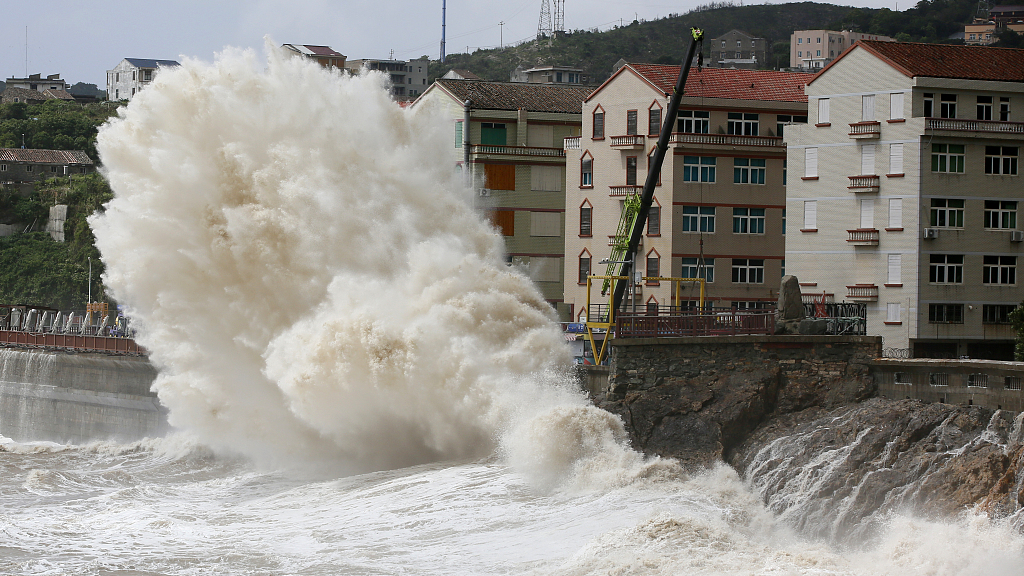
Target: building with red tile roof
[904,193]
[23,167]
[718,209]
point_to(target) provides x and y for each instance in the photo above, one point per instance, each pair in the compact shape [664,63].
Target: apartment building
[37,83]
[736,49]
[131,75]
[719,206]
[549,75]
[905,190]
[509,139]
[813,49]
[408,77]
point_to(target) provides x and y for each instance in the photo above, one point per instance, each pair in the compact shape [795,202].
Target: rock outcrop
[838,473]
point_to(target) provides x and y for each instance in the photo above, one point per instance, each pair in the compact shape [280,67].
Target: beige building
[408,77]
[904,193]
[513,152]
[718,209]
[813,49]
[736,49]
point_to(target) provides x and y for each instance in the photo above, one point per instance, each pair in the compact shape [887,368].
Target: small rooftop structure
[323,55]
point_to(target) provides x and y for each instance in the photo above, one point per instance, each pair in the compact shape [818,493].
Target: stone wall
[698,398]
[991,384]
[76,398]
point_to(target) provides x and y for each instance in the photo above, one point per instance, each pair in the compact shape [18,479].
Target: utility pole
[501,34]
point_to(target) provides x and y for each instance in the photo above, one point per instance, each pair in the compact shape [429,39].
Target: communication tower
[559,20]
[544,25]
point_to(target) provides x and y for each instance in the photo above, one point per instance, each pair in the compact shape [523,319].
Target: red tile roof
[516,95]
[44,156]
[946,61]
[767,85]
[322,50]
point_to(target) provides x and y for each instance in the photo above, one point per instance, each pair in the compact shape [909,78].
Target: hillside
[665,40]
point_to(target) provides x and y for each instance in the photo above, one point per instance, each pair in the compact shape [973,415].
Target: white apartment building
[132,75]
[904,193]
[719,205]
[813,49]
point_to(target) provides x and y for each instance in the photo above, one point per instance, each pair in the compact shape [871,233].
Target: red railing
[71,342]
[734,323]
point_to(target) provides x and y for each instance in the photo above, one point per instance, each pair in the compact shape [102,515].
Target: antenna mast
[559,21]
[544,25]
[443,8]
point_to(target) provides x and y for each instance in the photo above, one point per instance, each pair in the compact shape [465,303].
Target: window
[947,213]
[693,121]
[545,269]
[546,178]
[984,107]
[630,170]
[545,224]
[3,167]
[654,121]
[782,119]
[896,105]
[747,271]
[504,221]
[895,269]
[53,169]
[748,220]
[929,105]
[799,53]
[810,215]
[892,312]
[699,168]
[492,134]
[867,108]
[1001,214]
[458,135]
[996,313]
[818,52]
[598,125]
[948,158]
[28,167]
[1001,160]
[947,106]
[810,162]
[586,214]
[783,221]
[823,111]
[500,176]
[867,159]
[698,218]
[946,313]
[867,214]
[744,124]
[946,269]
[785,171]
[999,270]
[748,170]
[895,158]
[654,221]
[799,40]
[693,268]
[653,266]
[1004,109]
[584,268]
[739,43]
[895,213]
[586,172]
[631,122]
[818,40]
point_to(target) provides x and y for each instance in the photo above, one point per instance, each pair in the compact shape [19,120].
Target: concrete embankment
[62,397]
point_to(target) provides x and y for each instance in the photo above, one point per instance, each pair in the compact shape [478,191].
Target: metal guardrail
[974,125]
[691,322]
[516,150]
[107,344]
[726,139]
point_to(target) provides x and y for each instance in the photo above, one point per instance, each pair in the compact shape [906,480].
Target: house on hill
[132,75]
[23,167]
[719,206]
[38,83]
[508,142]
[12,95]
[905,191]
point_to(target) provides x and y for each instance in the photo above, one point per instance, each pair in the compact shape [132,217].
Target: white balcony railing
[869,183]
[628,141]
[868,129]
[974,125]
[862,292]
[679,138]
[863,237]
[624,190]
[572,143]
[516,150]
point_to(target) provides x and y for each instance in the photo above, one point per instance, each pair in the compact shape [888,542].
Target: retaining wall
[988,383]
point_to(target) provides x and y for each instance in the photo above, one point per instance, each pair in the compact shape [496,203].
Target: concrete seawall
[76,398]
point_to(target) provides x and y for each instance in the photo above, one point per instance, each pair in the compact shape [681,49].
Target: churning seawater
[363,386]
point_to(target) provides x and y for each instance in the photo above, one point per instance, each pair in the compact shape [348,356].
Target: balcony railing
[680,138]
[516,150]
[862,292]
[624,190]
[868,129]
[631,141]
[572,143]
[974,125]
[868,183]
[863,237]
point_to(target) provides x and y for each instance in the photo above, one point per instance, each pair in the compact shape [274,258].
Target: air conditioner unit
[485,192]
[1016,235]
[931,233]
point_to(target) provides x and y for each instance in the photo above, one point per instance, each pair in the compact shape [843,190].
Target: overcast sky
[81,40]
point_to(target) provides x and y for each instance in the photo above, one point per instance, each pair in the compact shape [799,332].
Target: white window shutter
[867,159]
[895,266]
[810,214]
[867,105]
[823,111]
[892,312]
[895,213]
[867,213]
[895,158]
[896,105]
[810,162]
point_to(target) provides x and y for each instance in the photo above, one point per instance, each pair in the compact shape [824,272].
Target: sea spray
[310,277]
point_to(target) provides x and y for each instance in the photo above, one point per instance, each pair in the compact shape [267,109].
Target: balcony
[534,151]
[987,128]
[631,142]
[865,130]
[679,139]
[572,143]
[868,183]
[862,292]
[863,237]
[624,190]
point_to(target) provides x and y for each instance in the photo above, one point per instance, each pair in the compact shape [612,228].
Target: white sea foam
[314,284]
